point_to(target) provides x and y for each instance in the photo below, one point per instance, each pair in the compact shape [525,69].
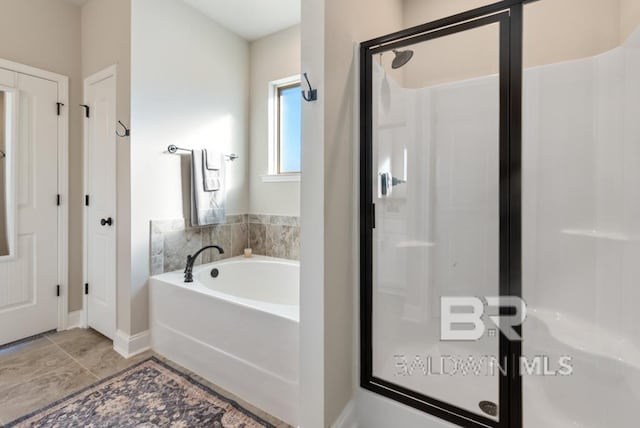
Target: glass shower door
[437,144]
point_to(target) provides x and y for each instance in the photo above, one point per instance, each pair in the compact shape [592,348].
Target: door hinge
[86,288]
[373,216]
[58,198]
[86,200]
[59,106]
[87,110]
[58,290]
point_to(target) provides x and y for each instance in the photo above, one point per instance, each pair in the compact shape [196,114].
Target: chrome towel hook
[311,94]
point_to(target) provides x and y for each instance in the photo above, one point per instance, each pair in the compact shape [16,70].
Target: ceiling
[251,19]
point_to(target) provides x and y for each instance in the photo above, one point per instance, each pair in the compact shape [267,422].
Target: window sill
[281,178]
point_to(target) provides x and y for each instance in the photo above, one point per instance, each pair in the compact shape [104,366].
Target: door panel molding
[6,68]
[107,73]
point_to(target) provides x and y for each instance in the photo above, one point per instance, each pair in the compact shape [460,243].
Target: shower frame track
[509,15]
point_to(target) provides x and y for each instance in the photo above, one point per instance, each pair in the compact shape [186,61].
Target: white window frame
[273,175]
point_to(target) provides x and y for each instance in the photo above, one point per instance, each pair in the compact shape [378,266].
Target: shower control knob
[108,221]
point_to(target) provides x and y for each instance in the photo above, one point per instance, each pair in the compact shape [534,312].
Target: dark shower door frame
[509,15]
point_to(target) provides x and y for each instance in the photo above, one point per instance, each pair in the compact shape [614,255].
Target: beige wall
[344,26]
[4,243]
[106,40]
[629,18]
[46,34]
[418,12]
[328,318]
[554,31]
[272,57]
[189,80]
[312,368]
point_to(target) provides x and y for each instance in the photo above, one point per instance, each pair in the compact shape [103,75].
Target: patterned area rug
[149,394]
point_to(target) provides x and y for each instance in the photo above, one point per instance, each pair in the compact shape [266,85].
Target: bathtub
[238,330]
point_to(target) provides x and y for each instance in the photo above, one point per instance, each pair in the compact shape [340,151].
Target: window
[285,131]
[289,129]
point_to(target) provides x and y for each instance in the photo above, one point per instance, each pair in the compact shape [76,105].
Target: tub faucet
[188,270]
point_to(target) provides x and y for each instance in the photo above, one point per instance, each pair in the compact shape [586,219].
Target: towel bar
[173,149]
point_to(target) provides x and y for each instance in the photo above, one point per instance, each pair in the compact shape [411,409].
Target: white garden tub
[239,330]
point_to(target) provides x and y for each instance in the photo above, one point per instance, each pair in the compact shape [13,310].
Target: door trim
[429,404]
[63,180]
[111,71]
[509,14]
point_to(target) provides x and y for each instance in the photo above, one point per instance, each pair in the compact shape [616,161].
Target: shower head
[402,58]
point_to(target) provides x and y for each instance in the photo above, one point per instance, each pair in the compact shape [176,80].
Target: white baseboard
[129,346]
[347,418]
[74,320]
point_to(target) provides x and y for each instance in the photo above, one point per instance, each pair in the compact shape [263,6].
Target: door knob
[108,221]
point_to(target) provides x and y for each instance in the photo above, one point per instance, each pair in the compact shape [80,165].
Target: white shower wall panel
[437,234]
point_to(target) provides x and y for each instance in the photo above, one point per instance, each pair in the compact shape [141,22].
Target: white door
[100,172]
[28,282]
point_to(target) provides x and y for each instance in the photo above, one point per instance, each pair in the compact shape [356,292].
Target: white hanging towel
[212,168]
[207,206]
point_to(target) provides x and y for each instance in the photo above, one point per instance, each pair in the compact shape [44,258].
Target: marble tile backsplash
[173,240]
[275,236]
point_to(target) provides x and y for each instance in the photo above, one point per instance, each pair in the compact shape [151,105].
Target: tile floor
[50,367]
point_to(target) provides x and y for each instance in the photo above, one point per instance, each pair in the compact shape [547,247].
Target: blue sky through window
[290,129]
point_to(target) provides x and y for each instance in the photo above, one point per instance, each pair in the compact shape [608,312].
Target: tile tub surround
[267,235]
[173,240]
[275,236]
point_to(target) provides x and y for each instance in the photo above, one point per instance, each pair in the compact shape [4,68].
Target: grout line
[75,360]
[44,375]
[25,340]
[29,377]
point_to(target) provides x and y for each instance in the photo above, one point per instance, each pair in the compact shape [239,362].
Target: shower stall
[500,215]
